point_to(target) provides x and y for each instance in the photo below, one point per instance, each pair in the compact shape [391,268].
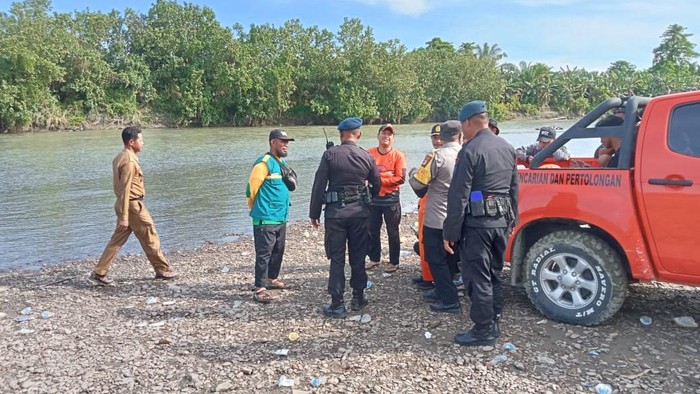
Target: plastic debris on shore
[225,269]
[293,336]
[46,314]
[500,359]
[282,352]
[369,284]
[646,321]
[509,347]
[316,382]
[602,388]
[285,382]
[428,335]
[26,311]
[151,300]
[685,322]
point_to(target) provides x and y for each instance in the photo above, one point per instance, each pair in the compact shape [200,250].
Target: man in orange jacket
[386,206]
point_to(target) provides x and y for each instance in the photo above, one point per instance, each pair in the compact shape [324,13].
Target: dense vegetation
[176,65]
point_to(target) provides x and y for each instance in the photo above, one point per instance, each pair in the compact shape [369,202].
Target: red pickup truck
[586,232]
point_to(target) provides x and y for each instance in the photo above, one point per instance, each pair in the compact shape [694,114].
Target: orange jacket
[392,169]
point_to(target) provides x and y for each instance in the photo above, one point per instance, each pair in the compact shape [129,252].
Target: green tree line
[177,65]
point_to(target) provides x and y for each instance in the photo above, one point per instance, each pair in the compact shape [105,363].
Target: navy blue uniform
[486,163]
[345,169]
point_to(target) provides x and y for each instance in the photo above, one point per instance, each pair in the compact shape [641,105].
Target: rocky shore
[203,333]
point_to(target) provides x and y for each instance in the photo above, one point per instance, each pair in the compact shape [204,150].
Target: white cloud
[406,7]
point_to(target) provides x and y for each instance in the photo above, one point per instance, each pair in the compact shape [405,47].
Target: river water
[57,199]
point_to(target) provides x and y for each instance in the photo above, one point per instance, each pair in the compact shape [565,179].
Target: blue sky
[583,33]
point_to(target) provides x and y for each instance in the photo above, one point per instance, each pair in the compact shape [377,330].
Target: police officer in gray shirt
[345,181]
[444,295]
[482,206]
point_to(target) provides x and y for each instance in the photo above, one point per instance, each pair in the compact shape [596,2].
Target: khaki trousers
[141,224]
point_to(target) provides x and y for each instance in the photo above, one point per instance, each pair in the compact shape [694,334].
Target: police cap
[435,130]
[547,134]
[494,124]
[472,108]
[350,124]
[450,128]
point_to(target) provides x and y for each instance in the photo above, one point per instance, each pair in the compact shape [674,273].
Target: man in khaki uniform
[132,215]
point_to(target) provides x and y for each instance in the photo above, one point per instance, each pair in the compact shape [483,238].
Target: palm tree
[487,51]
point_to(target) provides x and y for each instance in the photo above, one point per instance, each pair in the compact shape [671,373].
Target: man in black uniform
[482,205]
[352,178]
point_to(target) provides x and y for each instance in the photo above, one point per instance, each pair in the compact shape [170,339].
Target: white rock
[285,382]
[225,386]
[685,322]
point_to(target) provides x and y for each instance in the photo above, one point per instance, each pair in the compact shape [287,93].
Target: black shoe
[431,296]
[476,338]
[100,280]
[417,280]
[495,329]
[336,311]
[446,308]
[424,285]
[359,301]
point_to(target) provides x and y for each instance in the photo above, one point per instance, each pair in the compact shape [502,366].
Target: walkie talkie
[329,144]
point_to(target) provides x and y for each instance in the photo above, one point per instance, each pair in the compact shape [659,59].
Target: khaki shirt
[128,181]
[442,168]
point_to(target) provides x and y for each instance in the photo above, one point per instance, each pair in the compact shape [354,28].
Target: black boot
[494,325]
[476,337]
[431,296]
[359,300]
[336,309]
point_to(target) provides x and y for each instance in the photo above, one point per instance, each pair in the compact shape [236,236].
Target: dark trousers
[482,252]
[269,250]
[392,217]
[339,232]
[438,259]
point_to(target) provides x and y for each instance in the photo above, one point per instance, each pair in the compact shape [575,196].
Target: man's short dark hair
[610,120]
[130,133]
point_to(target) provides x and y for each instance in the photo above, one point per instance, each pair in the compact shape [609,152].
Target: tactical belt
[347,194]
[493,205]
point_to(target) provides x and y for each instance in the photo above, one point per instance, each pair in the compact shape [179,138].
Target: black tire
[575,277]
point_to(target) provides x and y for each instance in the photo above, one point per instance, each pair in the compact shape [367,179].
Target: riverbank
[118,124]
[203,333]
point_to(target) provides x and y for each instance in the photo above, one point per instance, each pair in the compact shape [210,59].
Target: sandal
[391,268]
[262,297]
[276,284]
[371,265]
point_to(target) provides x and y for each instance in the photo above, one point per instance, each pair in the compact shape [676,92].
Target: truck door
[670,183]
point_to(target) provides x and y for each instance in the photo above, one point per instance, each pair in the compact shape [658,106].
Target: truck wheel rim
[569,281]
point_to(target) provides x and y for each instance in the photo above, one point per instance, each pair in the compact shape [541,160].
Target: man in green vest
[268,200]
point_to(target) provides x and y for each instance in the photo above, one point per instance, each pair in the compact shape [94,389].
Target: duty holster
[347,194]
[491,206]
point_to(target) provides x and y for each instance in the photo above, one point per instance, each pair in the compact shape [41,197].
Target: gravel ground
[204,333]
